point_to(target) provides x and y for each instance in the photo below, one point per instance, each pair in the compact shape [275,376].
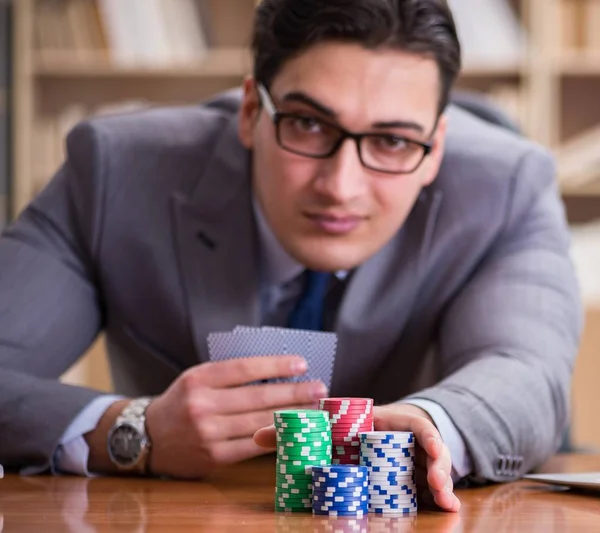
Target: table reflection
[97,505]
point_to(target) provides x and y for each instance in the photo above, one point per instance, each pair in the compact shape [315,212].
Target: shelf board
[220,62]
[589,191]
[493,70]
[579,63]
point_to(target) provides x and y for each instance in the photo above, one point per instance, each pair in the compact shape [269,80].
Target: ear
[248,114]
[437,152]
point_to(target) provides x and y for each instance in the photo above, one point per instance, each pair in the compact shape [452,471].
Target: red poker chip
[350,418]
[342,399]
[351,422]
[341,410]
[350,415]
[348,431]
[338,407]
[354,429]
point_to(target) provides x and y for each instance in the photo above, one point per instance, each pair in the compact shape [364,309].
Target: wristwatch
[128,442]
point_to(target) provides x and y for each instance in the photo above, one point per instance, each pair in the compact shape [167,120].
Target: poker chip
[348,418]
[303,440]
[340,490]
[330,461]
[390,462]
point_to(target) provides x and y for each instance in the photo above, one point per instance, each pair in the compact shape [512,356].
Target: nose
[342,177]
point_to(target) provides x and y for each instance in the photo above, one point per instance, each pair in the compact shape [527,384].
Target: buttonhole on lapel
[206,240]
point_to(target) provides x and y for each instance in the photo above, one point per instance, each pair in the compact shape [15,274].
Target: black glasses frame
[277,117]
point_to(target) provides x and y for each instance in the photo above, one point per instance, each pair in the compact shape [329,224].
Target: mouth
[335,224]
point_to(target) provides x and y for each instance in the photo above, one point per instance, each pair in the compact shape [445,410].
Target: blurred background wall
[538,61]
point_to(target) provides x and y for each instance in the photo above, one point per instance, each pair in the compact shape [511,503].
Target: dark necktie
[308,313]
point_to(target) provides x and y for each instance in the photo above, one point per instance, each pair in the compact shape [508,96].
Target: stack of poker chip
[303,440]
[348,417]
[340,490]
[390,461]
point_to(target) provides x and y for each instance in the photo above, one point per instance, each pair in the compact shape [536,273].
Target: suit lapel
[379,299]
[216,244]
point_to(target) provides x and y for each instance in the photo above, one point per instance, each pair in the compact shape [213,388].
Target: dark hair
[285,28]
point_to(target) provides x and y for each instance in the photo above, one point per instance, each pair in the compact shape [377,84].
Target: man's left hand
[432,457]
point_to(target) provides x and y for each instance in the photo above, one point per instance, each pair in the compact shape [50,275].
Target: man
[453,298]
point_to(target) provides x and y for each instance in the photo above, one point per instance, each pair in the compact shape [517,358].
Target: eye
[392,143]
[306,124]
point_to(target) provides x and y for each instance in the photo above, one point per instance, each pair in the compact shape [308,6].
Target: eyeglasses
[306,135]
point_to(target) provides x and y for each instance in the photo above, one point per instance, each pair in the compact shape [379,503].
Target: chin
[328,259]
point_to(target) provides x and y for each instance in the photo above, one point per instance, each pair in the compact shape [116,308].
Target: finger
[234,451]
[428,497]
[266,437]
[236,372]
[247,424]
[439,469]
[270,396]
[425,432]
[445,498]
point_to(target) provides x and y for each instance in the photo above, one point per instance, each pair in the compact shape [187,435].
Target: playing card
[318,348]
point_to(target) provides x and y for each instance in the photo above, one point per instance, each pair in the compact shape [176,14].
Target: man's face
[333,213]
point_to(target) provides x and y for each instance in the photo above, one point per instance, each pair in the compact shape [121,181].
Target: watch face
[126,444]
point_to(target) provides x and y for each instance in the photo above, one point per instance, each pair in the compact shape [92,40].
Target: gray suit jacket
[147,232]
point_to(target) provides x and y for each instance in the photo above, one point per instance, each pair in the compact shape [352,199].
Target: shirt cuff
[462,464]
[71,455]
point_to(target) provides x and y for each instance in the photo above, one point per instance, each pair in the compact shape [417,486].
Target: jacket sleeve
[50,305]
[508,340]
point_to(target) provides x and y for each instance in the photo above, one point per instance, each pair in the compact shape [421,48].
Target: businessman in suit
[450,286]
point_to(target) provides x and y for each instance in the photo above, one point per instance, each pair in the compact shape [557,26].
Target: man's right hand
[208,415]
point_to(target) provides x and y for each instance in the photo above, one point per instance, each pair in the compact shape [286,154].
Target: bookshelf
[5,21]
[548,83]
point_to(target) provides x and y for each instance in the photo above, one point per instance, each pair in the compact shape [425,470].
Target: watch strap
[134,414]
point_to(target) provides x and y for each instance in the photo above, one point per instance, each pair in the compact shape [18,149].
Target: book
[490,33]
[578,159]
[592,33]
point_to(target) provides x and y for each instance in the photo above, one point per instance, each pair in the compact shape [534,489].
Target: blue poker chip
[340,505]
[358,514]
[379,490]
[337,498]
[392,469]
[388,461]
[392,475]
[378,452]
[346,507]
[342,469]
[395,447]
[321,483]
[393,511]
[332,494]
[390,500]
[382,437]
[399,506]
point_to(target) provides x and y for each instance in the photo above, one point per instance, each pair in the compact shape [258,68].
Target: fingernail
[318,391]
[299,366]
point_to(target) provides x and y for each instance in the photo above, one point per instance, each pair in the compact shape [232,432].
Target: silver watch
[128,442]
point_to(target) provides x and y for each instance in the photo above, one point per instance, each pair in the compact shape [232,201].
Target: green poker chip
[308,413]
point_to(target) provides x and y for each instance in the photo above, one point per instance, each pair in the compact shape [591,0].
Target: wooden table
[240,499]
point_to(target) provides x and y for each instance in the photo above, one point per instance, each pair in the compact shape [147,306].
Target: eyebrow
[297,96]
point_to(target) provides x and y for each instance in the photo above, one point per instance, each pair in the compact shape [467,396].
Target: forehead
[364,86]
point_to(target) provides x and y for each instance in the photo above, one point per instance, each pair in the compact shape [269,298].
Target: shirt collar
[277,266]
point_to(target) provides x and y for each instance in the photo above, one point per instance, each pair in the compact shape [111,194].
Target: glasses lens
[391,154]
[307,135]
